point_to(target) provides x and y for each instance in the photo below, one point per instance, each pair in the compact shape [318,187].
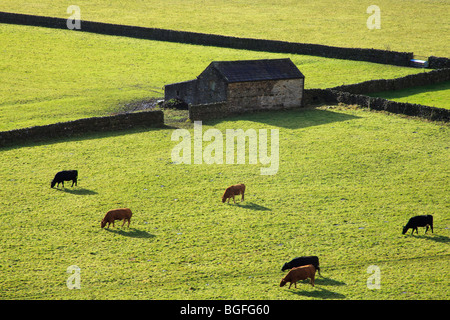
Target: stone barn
[243,85]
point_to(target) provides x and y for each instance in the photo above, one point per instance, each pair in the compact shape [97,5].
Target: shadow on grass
[78,136]
[78,191]
[328,282]
[432,237]
[292,119]
[252,206]
[319,293]
[131,232]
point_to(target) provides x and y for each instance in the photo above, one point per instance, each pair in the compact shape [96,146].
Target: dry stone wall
[359,54]
[81,126]
[318,96]
[204,112]
[410,81]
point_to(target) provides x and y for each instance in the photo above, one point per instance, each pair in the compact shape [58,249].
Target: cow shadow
[322,281]
[319,293]
[433,237]
[131,232]
[78,191]
[328,282]
[253,206]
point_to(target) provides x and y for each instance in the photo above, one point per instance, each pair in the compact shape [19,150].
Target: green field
[436,95]
[419,26]
[60,75]
[348,180]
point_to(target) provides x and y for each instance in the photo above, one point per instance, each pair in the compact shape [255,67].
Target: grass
[436,95]
[348,181]
[413,26]
[60,75]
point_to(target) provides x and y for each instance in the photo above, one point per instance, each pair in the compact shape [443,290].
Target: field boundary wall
[317,96]
[438,62]
[406,82]
[219,110]
[358,54]
[209,111]
[86,125]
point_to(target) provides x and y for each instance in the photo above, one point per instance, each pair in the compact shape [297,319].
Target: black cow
[302,261]
[419,221]
[62,176]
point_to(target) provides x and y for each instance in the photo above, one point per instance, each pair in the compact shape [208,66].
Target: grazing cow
[117,214]
[302,261]
[232,191]
[419,221]
[62,176]
[299,273]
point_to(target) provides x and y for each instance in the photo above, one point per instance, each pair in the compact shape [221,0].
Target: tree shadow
[131,232]
[253,206]
[78,191]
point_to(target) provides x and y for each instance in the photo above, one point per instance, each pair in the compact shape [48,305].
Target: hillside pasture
[348,180]
[419,26]
[59,75]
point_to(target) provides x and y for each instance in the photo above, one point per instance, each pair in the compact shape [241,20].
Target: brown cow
[299,273]
[117,214]
[232,191]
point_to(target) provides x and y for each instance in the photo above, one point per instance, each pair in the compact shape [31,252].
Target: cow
[302,261]
[117,214]
[62,176]
[419,221]
[299,273]
[232,191]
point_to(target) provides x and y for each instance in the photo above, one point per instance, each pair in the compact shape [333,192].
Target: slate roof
[257,70]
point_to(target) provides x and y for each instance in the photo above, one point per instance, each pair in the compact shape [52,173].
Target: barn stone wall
[209,87]
[265,95]
[245,97]
[239,97]
[185,91]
